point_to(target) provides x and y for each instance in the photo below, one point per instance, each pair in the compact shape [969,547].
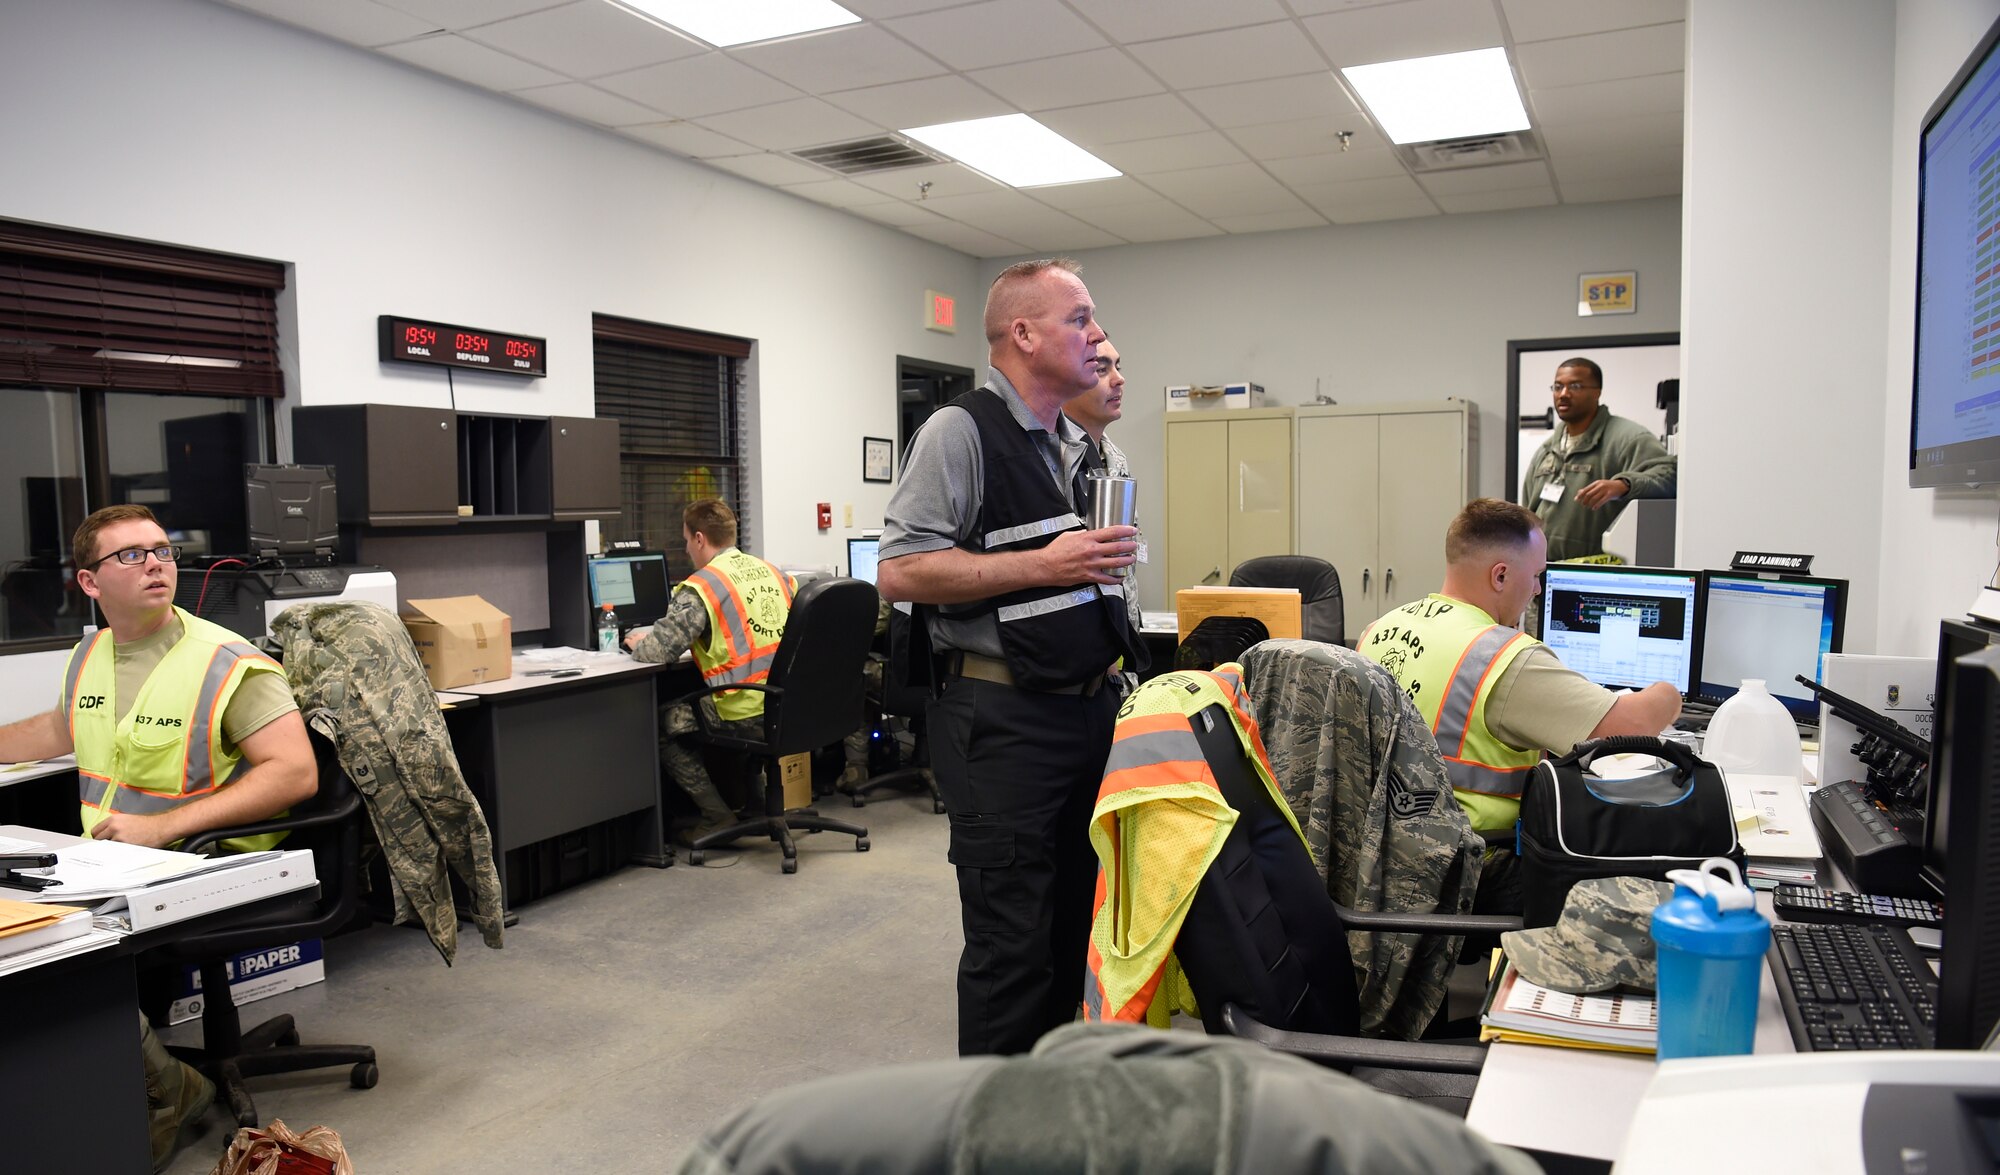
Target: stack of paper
[33,933]
[1525,1013]
[1779,842]
[93,870]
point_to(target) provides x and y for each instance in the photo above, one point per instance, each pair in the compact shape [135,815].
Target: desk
[546,756]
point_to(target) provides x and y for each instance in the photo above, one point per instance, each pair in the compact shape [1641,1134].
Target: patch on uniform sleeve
[1406,801]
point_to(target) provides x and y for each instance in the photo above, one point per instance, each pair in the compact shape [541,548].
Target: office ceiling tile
[1094,194]
[1643,132]
[977,207]
[803,122]
[456,57]
[1306,136]
[697,86]
[463,14]
[896,213]
[945,179]
[586,39]
[1101,75]
[1627,187]
[1029,224]
[1543,20]
[1660,93]
[586,103]
[1315,7]
[966,239]
[1499,178]
[902,105]
[1385,190]
[1150,220]
[1498,201]
[1234,55]
[1150,20]
[781,169]
[685,138]
[835,193]
[1071,239]
[1337,167]
[997,32]
[1260,222]
[358,22]
[1589,167]
[884,9]
[1172,153]
[1305,95]
[1419,28]
[840,59]
[1236,189]
[1601,57]
[1152,117]
[1387,210]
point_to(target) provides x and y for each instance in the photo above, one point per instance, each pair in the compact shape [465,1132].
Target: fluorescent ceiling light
[739,22]
[1450,96]
[1014,149]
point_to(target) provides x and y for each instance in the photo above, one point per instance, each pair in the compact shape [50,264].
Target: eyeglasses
[133,556]
[1574,387]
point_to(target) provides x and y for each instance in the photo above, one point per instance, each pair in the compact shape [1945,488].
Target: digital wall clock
[415,340]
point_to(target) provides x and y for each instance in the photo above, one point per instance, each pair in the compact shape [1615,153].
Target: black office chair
[903,699]
[1324,615]
[812,697]
[331,824]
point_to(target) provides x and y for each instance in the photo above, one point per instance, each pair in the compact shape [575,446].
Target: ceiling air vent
[865,156]
[1478,151]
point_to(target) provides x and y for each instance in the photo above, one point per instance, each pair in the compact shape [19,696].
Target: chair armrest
[701,715]
[1427,923]
[1348,1051]
[333,815]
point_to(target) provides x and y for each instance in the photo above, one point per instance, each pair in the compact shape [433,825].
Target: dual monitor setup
[1704,631]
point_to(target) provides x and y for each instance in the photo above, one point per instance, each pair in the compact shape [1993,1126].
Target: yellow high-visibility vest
[169,748]
[747,601]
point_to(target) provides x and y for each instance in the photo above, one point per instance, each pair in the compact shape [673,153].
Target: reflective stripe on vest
[1047,604]
[1031,530]
[1454,718]
[746,660]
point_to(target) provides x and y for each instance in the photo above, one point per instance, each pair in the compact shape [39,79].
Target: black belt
[959,663]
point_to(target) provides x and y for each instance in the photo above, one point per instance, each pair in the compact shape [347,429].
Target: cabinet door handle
[1214,573]
[1388,580]
[1364,579]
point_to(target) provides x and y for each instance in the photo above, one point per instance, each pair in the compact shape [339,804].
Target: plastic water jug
[1710,943]
[1753,733]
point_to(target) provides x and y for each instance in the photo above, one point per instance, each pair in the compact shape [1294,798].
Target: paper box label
[253,975]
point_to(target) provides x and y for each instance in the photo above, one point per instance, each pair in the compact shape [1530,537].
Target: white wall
[1785,211]
[1387,312]
[394,191]
[1937,545]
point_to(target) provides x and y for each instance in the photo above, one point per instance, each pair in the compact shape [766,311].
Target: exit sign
[940,312]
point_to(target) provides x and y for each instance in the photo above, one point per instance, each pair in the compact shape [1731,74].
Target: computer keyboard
[1853,987]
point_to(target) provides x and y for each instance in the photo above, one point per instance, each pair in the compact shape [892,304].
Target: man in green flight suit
[1580,479]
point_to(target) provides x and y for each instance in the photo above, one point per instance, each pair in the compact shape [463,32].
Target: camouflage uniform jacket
[357,677]
[1362,774]
[685,623]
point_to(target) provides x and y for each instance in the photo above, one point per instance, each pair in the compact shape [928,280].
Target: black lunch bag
[1576,825]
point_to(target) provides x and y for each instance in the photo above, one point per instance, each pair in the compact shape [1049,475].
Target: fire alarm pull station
[826,515]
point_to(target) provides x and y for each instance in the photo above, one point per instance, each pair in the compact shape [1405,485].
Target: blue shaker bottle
[1710,942]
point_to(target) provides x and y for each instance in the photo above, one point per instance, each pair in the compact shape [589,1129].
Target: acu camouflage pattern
[1604,938]
[685,623]
[356,676]
[1358,765]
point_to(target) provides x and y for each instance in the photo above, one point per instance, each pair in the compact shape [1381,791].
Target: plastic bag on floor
[277,1150]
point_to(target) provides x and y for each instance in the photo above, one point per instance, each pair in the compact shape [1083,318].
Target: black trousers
[1019,772]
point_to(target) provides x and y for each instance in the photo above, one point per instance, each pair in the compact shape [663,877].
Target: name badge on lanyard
[1552,492]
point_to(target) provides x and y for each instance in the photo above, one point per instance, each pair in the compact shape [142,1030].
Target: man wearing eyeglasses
[1582,476]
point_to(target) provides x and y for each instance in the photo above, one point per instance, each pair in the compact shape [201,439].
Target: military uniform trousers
[1019,772]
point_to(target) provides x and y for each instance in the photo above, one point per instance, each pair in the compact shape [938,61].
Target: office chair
[900,697]
[812,697]
[331,825]
[1324,613]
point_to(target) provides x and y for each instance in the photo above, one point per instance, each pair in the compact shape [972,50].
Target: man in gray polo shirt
[1028,615]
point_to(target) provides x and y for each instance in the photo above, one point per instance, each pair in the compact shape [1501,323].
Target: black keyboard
[1853,987]
[1803,903]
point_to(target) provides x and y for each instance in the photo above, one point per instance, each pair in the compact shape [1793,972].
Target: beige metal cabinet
[1377,485]
[1229,491]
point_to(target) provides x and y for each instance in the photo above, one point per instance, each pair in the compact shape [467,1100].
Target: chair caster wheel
[860,844]
[937,806]
[289,1039]
[697,856]
[858,802]
[364,1075]
[789,865]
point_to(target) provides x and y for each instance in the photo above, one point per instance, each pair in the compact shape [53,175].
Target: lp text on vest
[253,975]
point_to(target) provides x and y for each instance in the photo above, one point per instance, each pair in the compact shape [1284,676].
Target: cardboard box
[796,772]
[253,975]
[462,640]
[1281,609]
[1209,398]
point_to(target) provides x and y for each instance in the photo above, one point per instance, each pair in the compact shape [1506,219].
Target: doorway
[1633,367]
[922,387]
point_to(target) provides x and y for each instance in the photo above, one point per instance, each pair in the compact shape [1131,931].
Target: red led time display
[410,340]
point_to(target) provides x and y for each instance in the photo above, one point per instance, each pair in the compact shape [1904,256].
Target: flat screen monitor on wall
[1955,393]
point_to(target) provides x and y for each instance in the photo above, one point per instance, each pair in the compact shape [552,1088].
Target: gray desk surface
[23,772]
[594,666]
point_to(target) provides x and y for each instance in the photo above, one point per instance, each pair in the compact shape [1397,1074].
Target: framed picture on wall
[878,459]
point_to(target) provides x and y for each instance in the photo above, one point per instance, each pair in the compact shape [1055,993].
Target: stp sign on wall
[940,312]
[1607,293]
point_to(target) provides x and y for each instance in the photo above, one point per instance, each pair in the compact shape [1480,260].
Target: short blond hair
[1015,291]
[1486,523]
[712,519]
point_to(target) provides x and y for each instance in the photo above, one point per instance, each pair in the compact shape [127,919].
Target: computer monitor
[634,584]
[1955,389]
[1966,795]
[862,555]
[1623,627]
[1773,627]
